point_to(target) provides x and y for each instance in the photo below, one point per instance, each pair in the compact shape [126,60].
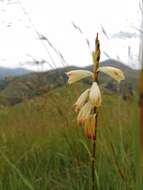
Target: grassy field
[42,148]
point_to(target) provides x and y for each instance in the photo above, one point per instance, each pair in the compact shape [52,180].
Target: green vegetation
[42,148]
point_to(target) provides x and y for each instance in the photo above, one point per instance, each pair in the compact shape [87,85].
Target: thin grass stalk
[96,59]
[141,99]
[119,169]
[141,82]
[141,123]
[141,109]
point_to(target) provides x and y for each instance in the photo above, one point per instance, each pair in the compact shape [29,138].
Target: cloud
[125,35]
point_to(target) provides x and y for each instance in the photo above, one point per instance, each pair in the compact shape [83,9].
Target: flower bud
[84,113]
[95,95]
[81,100]
[89,129]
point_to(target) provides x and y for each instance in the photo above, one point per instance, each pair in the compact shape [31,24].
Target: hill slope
[34,84]
[4,71]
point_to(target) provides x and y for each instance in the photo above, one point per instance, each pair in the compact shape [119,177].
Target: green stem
[93,165]
[96,59]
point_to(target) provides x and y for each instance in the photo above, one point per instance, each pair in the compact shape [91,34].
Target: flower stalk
[96,59]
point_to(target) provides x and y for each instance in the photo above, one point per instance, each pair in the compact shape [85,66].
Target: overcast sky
[19,42]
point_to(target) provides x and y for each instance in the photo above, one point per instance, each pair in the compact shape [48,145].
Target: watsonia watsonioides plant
[90,100]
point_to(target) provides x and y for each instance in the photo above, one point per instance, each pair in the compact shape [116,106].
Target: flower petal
[81,100]
[95,95]
[114,72]
[84,113]
[77,75]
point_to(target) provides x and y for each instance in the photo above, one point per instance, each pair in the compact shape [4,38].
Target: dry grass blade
[58,53]
[37,33]
[77,27]
[81,32]
[43,37]
[104,32]
[107,55]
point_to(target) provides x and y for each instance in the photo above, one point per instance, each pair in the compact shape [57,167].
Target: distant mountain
[34,84]
[125,35]
[4,71]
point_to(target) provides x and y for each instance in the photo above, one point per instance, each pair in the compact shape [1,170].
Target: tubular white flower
[95,95]
[77,75]
[113,72]
[89,127]
[84,113]
[91,120]
[81,100]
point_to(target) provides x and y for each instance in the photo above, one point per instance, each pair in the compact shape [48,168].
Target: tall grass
[41,147]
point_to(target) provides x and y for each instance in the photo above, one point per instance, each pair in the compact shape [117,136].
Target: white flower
[77,75]
[95,95]
[81,100]
[84,113]
[113,72]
